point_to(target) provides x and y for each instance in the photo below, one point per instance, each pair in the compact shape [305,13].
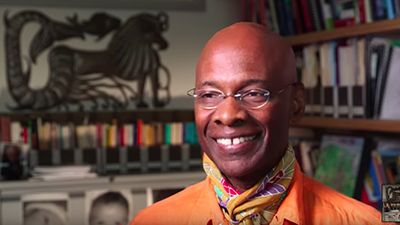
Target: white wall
[188,32]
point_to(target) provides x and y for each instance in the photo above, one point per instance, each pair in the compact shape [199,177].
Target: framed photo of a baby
[108,207]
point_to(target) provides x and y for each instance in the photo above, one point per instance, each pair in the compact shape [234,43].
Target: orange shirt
[308,202]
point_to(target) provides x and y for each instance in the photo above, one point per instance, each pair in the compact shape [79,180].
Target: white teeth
[234,141]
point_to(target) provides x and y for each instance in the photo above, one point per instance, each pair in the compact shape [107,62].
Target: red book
[261,13]
[297,16]
[139,131]
[308,24]
[99,135]
[5,128]
[366,200]
[121,136]
[25,135]
[361,11]
[344,22]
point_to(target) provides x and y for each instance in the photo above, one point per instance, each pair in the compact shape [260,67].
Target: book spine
[327,14]
[308,24]
[361,11]
[390,9]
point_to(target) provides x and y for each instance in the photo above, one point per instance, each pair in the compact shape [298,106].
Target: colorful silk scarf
[258,204]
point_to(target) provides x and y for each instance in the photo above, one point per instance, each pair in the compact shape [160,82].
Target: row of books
[46,135]
[291,17]
[352,78]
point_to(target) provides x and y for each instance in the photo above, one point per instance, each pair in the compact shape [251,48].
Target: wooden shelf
[160,115]
[379,27]
[366,125]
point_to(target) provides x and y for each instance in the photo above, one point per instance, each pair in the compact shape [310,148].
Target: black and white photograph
[45,209]
[108,207]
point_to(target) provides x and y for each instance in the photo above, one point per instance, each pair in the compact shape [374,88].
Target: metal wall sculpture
[76,75]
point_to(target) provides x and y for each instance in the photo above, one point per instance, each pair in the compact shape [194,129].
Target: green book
[339,162]
[167,138]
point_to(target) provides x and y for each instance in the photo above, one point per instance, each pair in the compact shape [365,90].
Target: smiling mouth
[236,140]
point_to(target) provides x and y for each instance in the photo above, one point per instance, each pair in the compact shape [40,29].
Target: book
[308,150]
[308,24]
[360,10]
[360,86]
[378,9]
[310,73]
[384,49]
[390,7]
[5,128]
[376,60]
[347,64]
[297,17]
[316,15]
[339,162]
[271,9]
[327,14]
[328,77]
[391,91]
[368,11]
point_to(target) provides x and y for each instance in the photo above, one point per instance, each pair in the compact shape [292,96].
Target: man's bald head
[257,42]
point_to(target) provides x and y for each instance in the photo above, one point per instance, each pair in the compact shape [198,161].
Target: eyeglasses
[253,98]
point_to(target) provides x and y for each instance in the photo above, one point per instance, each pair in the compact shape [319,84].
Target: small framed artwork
[108,207]
[45,209]
[13,161]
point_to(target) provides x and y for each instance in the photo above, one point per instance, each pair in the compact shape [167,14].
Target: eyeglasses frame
[239,96]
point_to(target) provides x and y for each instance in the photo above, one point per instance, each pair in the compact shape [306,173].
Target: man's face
[262,133]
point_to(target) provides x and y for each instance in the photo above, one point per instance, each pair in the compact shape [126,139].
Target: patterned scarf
[258,204]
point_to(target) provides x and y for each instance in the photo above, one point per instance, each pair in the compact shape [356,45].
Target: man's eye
[255,93]
[210,95]
[255,96]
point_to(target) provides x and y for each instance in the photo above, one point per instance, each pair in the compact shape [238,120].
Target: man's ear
[298,103]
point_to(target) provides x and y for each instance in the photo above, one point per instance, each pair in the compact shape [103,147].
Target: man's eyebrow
[244,83]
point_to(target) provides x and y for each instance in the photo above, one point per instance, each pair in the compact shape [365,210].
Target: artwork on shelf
[84,79]
[13,161]
[339,162]
[108,207]
[45,209]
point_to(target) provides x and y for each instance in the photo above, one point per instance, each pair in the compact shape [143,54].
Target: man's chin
[235,171]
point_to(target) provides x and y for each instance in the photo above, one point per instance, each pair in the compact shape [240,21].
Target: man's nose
[229,113]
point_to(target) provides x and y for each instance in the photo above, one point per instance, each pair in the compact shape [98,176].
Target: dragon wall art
[75,75]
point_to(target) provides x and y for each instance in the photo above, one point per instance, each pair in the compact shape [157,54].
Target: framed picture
[45,209]
[108,207]
[194,5]
[13,161]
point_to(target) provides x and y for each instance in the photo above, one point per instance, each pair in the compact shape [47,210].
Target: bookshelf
[143,173]
[122,142]
[365,125]
[382,27]
[378,27]
[373,130]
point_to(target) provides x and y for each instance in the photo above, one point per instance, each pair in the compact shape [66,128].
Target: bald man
[246,97]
